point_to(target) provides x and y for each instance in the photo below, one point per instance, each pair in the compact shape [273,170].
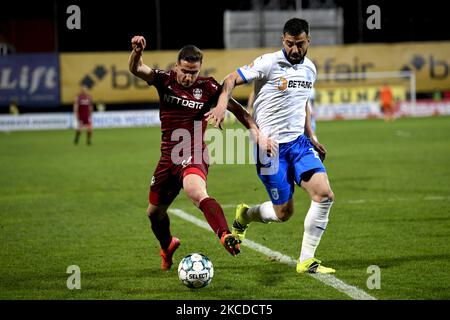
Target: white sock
[263,212]
[315,224]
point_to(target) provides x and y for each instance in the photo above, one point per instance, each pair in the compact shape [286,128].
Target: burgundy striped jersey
[184,109]
[84,103]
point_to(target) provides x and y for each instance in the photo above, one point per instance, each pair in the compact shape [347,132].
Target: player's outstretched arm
[241,114]
[310,134]
[216,115]
[247,120]
[135,63]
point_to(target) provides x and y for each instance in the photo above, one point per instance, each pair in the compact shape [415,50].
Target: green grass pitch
[63,205]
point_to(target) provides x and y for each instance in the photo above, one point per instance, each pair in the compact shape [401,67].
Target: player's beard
[299,58]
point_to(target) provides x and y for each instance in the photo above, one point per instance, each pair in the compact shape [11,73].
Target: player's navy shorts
[296,160]
[167,179]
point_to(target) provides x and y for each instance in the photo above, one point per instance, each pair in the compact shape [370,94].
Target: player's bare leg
[266,212]
[160,224]
[316,220]
[77,136]
[89,135]
[195,187]
[392,113]
[284,211]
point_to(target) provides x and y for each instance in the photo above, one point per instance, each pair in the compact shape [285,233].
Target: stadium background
[410,38]
[61,205]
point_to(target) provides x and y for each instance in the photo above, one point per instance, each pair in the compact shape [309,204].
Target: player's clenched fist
[138,43]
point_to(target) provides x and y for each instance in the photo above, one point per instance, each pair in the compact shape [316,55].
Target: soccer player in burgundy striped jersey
[185,102]
[82,111]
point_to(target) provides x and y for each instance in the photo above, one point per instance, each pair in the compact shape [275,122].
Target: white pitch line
[227,206]
[328,279]
[433,198]
[361,201]
[403,134]
[356,201]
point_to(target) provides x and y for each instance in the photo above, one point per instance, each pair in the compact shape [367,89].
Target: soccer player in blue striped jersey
[283,83]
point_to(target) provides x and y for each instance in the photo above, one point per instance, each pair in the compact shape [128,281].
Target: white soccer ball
[195,270]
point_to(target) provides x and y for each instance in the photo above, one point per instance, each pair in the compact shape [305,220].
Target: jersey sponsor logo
[299,84]
[274,192]
[183,102]
[282,84]
[197,93]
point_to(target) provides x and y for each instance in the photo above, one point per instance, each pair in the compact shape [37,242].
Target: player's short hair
[296,26]
[190,53]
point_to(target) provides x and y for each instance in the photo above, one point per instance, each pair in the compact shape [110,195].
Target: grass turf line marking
[328,279]
[403,134]
[434,198]
[361,201]
[227,206]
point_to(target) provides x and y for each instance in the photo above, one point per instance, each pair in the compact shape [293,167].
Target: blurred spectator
[82,111]
[387,102]
[5,47]
[13,108]
[437,95]
[101,107]
[447,95]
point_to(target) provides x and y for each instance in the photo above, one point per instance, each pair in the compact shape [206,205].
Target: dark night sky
[107,25]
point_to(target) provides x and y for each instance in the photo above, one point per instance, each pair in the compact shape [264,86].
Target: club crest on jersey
[197,93]
[282,84]
[186,162]
[275,194]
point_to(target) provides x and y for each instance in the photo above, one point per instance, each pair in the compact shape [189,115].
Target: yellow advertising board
[429,61]
[107,74]
[342,95]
